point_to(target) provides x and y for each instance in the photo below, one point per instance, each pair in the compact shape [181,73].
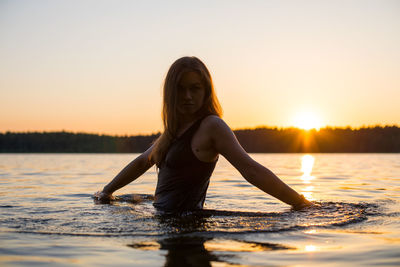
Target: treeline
[65,142]
[327,140]
[260,140]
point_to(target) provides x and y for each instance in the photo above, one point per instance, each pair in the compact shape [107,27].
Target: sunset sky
[98,66]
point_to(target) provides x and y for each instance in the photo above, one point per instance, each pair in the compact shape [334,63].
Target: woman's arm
[128,174]
[227,145]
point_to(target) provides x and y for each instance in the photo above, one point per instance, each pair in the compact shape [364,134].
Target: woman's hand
[102,197]
[303,203]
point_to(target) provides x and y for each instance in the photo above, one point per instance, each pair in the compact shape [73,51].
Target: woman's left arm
[225,143]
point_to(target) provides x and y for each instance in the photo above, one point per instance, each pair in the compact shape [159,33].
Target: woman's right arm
[128,174]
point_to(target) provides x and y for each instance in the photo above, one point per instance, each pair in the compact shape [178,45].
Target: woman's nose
[187,94]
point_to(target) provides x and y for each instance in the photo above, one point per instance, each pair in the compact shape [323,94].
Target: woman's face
[191,92]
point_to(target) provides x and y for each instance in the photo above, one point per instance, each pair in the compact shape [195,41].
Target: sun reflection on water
[310,248]
[307,164]
[312,231]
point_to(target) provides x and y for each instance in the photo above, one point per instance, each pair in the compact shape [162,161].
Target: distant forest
[260,140]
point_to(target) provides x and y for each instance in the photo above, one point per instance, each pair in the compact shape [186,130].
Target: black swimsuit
[182,178]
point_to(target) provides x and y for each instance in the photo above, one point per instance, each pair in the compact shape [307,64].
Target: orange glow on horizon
[307,120]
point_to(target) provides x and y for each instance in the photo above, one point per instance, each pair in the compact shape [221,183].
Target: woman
[188,149]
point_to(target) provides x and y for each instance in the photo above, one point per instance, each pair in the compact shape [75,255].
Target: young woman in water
[188,149]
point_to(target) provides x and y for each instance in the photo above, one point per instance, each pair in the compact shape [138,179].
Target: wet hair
[170,115]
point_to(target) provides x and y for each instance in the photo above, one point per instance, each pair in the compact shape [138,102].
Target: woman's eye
[195,88]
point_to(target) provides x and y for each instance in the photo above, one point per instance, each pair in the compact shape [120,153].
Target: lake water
[48,215]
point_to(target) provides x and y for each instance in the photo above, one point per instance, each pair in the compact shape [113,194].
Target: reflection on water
[312,231]
[201,251]
[310,248]
[181,251]
[307,164]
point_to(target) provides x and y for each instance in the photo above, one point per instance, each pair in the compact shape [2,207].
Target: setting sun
[307,121]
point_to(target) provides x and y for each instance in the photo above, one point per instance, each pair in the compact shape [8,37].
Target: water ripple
[122,219]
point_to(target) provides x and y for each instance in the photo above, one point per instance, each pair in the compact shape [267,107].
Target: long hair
[170,116]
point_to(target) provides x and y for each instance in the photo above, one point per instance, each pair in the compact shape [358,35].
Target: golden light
[313,231]
[307,121]
[310,248]
[234,246]
[307,164]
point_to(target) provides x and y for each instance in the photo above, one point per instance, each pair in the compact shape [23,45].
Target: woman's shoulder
[213,123]
[212,120]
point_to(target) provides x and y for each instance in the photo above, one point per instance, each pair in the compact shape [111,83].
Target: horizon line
[238,129]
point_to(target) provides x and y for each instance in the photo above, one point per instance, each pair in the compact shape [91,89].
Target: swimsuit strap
[191,130]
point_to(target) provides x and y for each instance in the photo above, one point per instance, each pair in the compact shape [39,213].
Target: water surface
[48,215]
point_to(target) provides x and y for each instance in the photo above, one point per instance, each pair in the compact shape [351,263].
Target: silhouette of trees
[55,142]
[327,140]
[375,139]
